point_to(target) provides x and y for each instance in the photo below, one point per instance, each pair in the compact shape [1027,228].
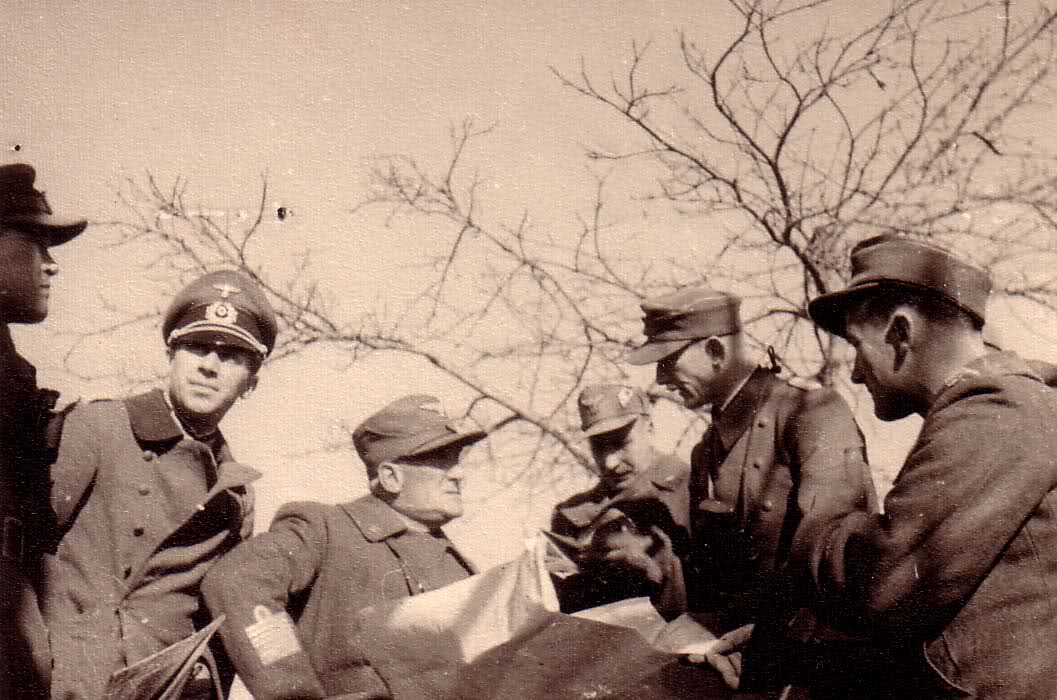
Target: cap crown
[901,260]
[412,425]
[608,407]
[696,312]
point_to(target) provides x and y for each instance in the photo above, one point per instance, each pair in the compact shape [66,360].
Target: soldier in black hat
[956,581]
[292,596]
[28,230]
[146,496]
[638,508]
[774,457]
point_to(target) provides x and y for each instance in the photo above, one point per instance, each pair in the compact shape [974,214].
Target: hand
[640,552]
[723,654]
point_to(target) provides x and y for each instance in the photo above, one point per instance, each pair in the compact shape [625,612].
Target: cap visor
[213,336]
[829,311]
[608,425]
[655,351]
[449,440]
[53,230]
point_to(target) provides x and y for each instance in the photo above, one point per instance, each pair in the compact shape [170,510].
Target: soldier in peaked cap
[639,503]
[292,595]
[146,496]
[955,582]
[28,230]
[774,457]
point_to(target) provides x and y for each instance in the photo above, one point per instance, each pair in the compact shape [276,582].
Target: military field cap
[225,308]
[411,426]
[26,208]
[608,407]
[673,321]
[897,259]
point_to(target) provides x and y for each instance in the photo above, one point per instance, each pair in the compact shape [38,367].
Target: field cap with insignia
[25,208]
[898,260]
[411,426]
[225,308]
[673,321]
[608,407]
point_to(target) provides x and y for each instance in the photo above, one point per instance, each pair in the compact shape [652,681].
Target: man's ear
[901,328]
[716,350]
[250,387]
[390,477]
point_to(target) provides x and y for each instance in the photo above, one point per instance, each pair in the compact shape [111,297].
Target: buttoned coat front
[316,568]
[775,456]
[957,577]
[141,512]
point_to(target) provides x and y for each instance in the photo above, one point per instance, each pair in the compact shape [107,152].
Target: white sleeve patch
[273,635]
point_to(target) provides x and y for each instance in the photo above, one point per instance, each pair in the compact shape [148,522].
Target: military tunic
[292,595]
[142,512]
[956,579]
[656,498]
[775,457]
[25,660]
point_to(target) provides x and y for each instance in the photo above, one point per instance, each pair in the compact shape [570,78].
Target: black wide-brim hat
[27,209]
[899,260]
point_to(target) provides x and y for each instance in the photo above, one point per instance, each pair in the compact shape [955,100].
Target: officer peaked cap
[225,308]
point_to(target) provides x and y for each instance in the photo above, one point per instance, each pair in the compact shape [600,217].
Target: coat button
[148,455]
[138,532]
[144,490]
[768,505]
[757,463]
[762,422]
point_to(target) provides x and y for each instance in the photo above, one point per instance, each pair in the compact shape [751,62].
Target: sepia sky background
[306,93]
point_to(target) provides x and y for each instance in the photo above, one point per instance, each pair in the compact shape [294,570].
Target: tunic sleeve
[253,586]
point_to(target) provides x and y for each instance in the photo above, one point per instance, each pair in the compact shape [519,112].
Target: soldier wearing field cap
[640,499]
[774,457]
[28,231]
[956,580]
[291,596]
[146,496]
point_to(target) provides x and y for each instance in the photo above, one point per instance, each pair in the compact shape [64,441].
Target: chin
[891,411]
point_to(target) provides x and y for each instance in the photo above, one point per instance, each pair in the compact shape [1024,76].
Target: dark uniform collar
[739,413]
[375,518]
[14,369]
[151,418]
[152,421]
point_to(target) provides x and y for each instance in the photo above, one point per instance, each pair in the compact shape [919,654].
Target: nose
[210,362]
[661,373]
[613,460]
[48,264]
[456,472]
[857,371]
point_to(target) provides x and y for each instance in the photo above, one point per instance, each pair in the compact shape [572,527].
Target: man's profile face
[689,373]
[205,379]
[26,269]
[431,492]
[876,367]
[623,453]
